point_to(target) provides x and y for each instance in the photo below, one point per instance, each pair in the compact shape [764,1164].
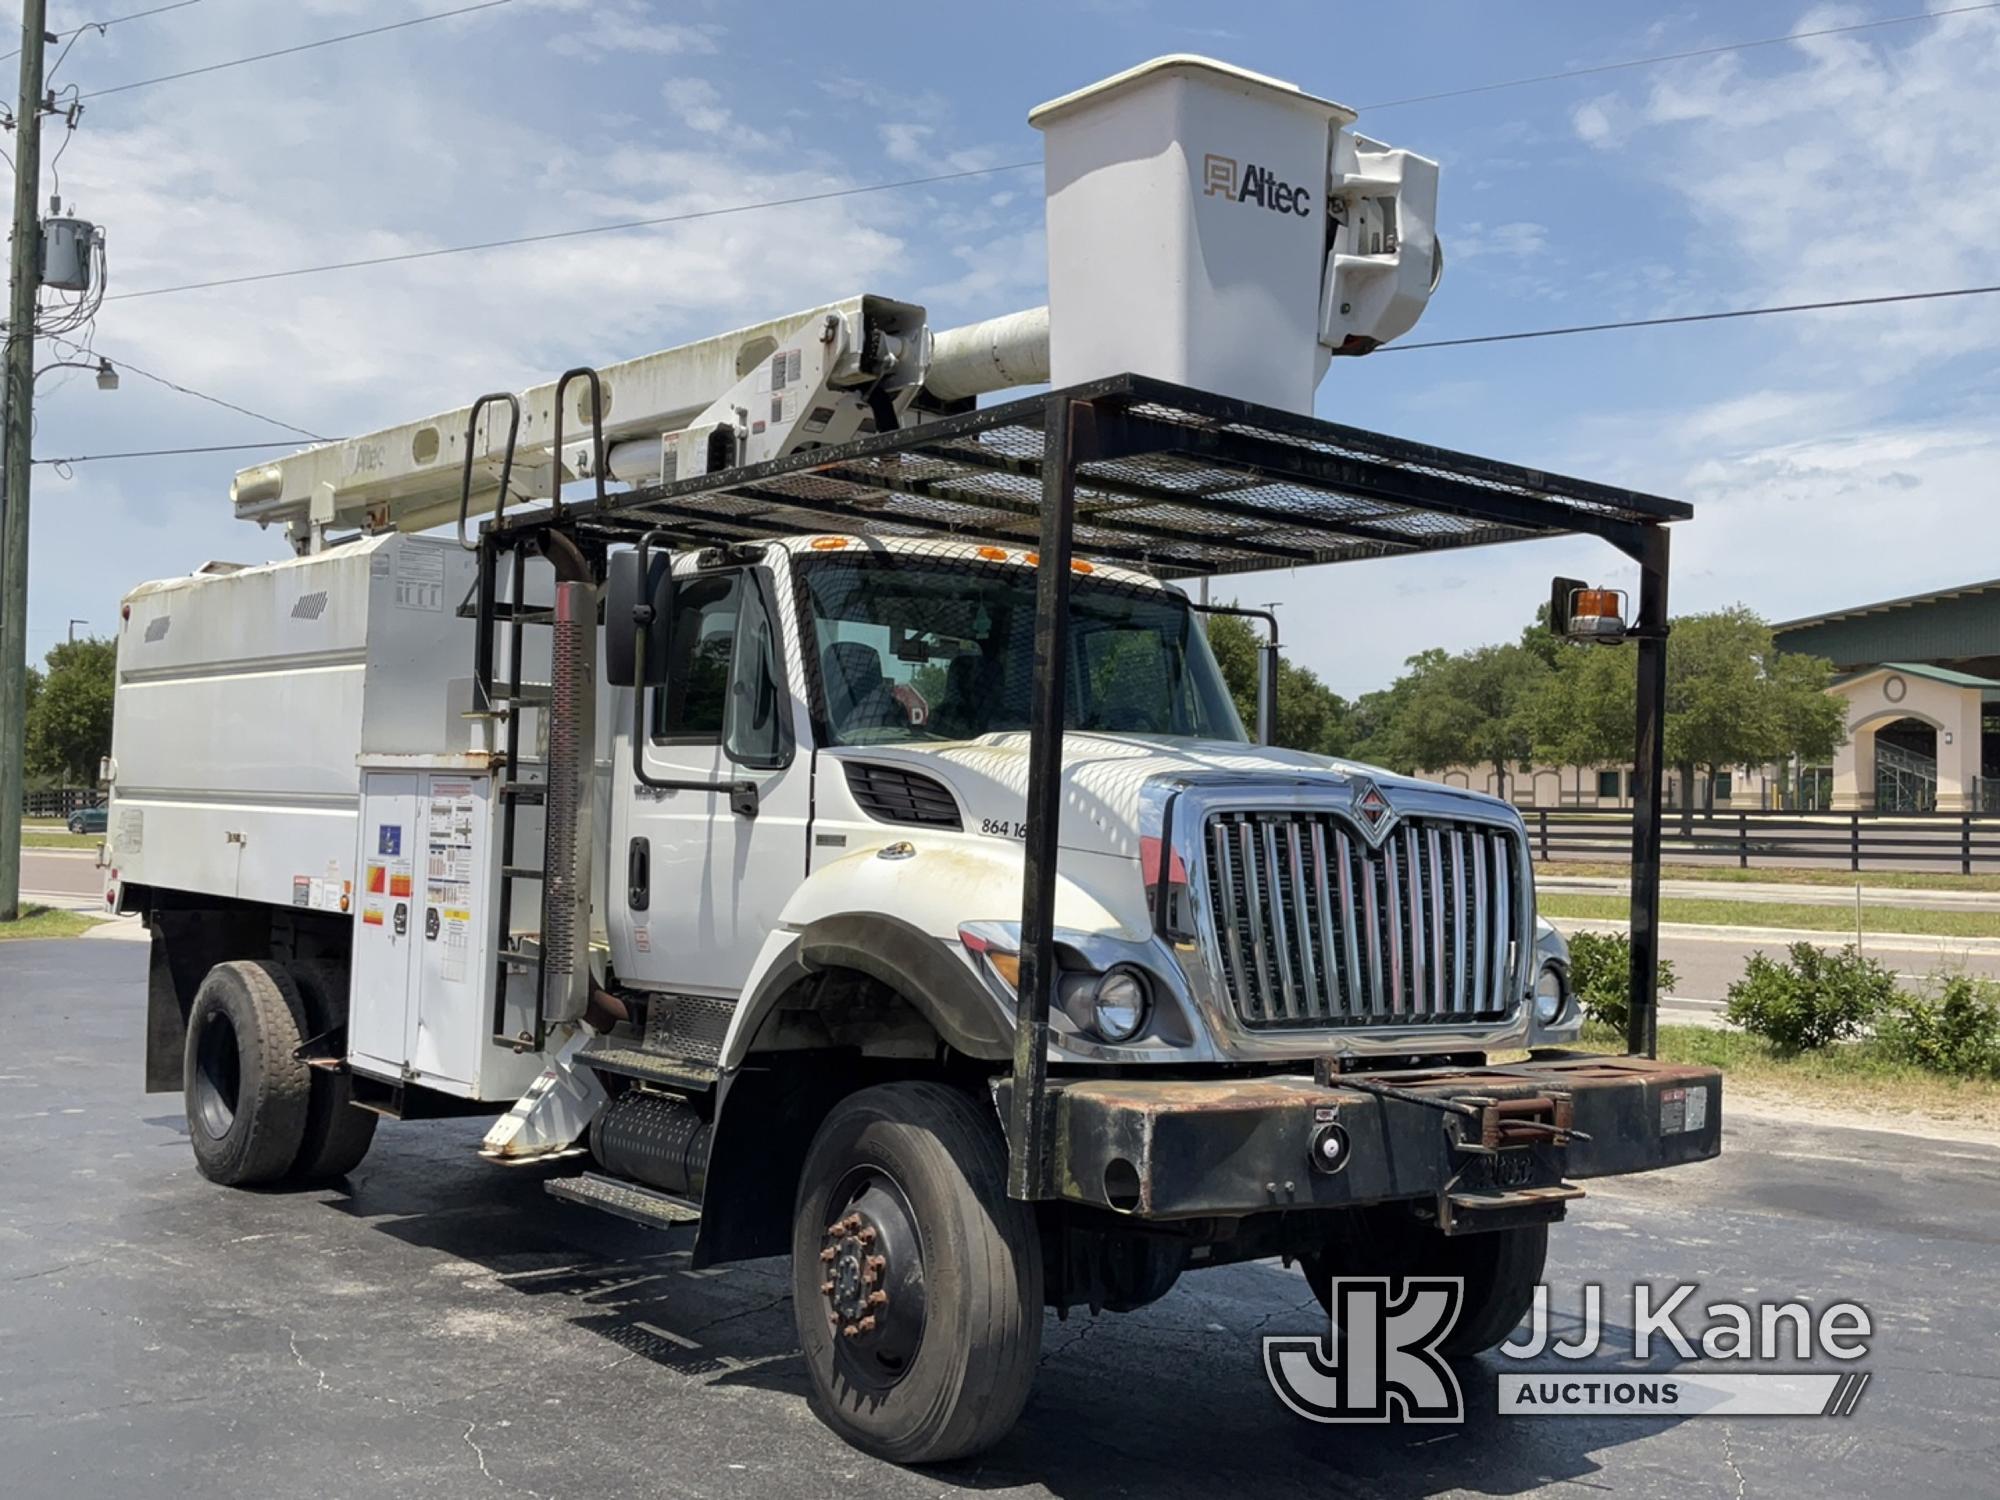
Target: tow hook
[1491,1126]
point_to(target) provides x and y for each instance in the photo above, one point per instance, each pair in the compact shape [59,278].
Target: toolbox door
[385,923]
[451,1024]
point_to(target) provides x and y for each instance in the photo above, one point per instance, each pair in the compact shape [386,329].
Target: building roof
[1907,601]
[1924,669]
[1958,625]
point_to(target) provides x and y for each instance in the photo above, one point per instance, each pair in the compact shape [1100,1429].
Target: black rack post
[1648,769]
[1066,433]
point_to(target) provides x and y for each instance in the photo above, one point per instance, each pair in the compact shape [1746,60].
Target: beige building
[1921,678]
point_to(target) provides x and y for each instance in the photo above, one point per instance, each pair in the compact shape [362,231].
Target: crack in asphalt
[86,1260]
[480,1454]
[1729,1457]
[742,1312]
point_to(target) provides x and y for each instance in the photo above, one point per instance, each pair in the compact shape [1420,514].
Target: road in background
[437,1326]
[71,872]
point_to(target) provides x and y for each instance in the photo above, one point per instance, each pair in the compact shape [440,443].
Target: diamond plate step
[688,1026]
[653,1067]
[642,1205]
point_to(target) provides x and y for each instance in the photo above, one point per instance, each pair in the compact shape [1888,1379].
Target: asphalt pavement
[438,1327]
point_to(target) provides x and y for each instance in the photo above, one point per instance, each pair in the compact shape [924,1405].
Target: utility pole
[19,416]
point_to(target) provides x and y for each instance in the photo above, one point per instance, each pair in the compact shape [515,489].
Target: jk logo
[1379,1362]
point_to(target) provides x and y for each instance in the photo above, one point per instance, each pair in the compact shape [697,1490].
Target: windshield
[918,648]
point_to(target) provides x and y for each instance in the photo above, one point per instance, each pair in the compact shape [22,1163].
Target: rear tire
[245,1091]
[904,1196]
[1501,1268]
[337,1135]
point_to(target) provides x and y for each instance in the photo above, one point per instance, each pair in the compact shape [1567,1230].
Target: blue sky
[1833,458]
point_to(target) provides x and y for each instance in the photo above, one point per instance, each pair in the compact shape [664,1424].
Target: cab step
[1476,1212]
[628,1200]
[683,1073]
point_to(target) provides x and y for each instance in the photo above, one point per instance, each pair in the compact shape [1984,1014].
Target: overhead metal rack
[1180,483]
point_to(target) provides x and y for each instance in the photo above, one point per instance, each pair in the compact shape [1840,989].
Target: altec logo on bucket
[1381,1360]
[1222,177]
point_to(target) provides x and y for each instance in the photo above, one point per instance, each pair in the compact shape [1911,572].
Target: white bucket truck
[813,813]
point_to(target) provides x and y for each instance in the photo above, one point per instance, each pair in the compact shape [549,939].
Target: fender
[753,1167]
[919,967]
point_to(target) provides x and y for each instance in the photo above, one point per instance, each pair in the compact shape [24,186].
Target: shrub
[1815,999]
[1955,1030]
[1600,971]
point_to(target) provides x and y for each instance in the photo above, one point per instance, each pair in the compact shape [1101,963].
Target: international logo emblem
[1371,809]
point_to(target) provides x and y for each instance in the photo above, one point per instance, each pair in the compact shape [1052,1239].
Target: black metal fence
[56,802]
[1969,841]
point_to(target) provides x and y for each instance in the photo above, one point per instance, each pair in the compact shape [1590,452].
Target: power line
[1667,57]
[92,458]
[137,15]
[238,62]
[126,365]
[1712,317]
[570,234]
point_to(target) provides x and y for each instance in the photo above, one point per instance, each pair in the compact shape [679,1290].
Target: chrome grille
[1314,928]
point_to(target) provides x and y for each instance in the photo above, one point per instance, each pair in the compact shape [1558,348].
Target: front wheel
[916,1280]
[1501,1268]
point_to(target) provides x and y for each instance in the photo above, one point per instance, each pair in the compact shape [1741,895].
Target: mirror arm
[742,793]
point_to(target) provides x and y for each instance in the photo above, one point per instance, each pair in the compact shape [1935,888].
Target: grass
[1784,914]
[46,922]
[1853,1075]
[58,838]
[1897,880]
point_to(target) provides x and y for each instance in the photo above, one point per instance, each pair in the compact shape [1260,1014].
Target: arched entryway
[1906,765]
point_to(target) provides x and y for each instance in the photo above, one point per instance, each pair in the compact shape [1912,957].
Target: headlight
[1119,1001]
[1551,994]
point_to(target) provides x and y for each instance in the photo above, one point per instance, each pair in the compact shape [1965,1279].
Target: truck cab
[875,694]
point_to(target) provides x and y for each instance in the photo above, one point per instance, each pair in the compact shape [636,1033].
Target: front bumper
[1491,1146]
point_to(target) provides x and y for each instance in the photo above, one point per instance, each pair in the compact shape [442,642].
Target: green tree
[1474,708]
[1732,699]
[1311,715]
[69,713]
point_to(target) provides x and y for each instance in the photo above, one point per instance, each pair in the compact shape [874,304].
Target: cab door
[697,885]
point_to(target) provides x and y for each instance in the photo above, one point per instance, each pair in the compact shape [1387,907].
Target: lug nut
[867,1324]
[866,1236]
[877,1263]
[877,1299]
[826,1289]
[849,1331]
[827,1253]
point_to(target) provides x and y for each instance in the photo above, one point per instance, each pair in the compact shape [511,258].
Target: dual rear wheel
[256,1113]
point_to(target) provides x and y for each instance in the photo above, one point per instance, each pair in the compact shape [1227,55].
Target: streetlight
[72,629]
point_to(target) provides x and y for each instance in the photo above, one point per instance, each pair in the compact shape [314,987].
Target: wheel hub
[872,1278]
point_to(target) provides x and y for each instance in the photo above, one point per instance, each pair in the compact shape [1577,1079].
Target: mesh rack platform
[1176,482]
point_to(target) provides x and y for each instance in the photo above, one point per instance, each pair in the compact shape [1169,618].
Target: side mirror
[623,594]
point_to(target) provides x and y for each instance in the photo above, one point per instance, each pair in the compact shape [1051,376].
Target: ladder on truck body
[502,701]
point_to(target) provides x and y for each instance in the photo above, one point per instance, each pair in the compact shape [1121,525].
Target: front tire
[246,1093]
[916,1280]
[1501,1268]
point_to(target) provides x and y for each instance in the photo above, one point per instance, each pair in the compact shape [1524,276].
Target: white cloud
[625,27]
[382,149]
[1519,240]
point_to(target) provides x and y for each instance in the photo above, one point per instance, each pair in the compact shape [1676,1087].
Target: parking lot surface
[437,1326]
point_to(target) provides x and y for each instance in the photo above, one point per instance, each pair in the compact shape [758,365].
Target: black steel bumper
[1491,1145]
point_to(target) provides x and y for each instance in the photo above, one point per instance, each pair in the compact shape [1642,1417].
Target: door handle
[638,874]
